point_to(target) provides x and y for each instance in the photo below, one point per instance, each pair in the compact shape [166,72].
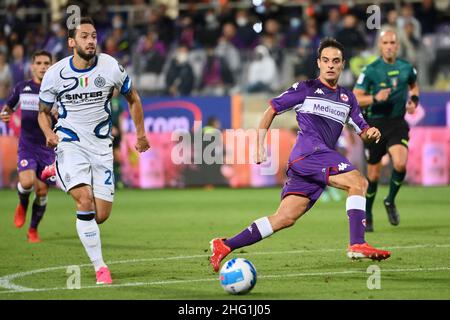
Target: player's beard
[84,55]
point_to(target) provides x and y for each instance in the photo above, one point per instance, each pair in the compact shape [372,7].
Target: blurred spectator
[12,24]
[262,72]
[305,66]
[410,36]
[19,66]
[211,172]
[186,32]
[312,33]
[110,47]
[117,41]
[5,77]
[151,52]
[32,4]
[333,25]
[209,30]
[293,30]
[274,41]
[3,44]
[180,76]
[227,50]
[407,15]
[364,57]
[140,15]
[350,36]
[428,17]
[160,21]
[217,77]
[246,37]
[57,42]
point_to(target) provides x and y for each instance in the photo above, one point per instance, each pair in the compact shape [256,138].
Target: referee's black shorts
[393,131]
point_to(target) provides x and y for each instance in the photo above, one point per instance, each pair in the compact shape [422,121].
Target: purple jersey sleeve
[355,118]
[293,96]
[13,100]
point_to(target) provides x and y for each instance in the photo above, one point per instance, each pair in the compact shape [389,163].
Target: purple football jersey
[26,95]
[321,114]
[33,154]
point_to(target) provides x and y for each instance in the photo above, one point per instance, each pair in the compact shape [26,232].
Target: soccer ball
[238,276]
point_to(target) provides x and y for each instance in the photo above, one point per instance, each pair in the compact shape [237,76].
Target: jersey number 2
[109,175]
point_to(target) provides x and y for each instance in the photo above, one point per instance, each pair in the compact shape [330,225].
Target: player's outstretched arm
[370,135]
[45,123]
[264,125]
[364,99]
[137,114]
[5,114]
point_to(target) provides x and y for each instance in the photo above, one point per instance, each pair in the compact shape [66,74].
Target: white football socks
[22,190]
[89,234]
[264,227]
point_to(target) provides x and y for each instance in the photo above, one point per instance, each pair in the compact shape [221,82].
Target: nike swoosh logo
[65,86]
[370,195]
[396,183]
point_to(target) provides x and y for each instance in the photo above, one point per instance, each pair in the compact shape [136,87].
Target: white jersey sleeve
[47,92]
[121,80]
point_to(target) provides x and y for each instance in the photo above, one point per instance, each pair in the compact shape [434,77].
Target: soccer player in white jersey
[82,86]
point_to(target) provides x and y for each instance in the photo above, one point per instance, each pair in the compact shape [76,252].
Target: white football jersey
[83,100]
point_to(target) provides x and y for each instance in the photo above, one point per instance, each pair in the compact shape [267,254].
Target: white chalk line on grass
[6,281]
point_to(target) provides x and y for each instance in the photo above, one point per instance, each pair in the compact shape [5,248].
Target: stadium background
[223,60]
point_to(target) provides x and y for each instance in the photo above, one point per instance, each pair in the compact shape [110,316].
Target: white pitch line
[6,283]
[296,275]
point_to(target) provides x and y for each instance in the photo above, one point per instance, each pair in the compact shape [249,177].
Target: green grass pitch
[156,243]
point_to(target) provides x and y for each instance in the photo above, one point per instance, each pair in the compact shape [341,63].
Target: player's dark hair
[83,20]
[38,53]
[330,42]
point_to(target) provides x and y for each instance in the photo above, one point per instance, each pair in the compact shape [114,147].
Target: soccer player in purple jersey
[33,154]
[322,108]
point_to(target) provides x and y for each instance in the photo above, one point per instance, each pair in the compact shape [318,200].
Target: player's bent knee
[27,184]
[101,216]
[373,176]
[85,203]
[400,167]
[288,222]
[365,184]
[282,220]
[41,192]
[358,185]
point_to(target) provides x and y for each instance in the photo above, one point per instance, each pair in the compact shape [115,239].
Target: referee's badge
[394,82]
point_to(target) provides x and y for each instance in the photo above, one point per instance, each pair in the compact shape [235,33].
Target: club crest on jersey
[344,97]
[23,163]
[99,82]
[83,81]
